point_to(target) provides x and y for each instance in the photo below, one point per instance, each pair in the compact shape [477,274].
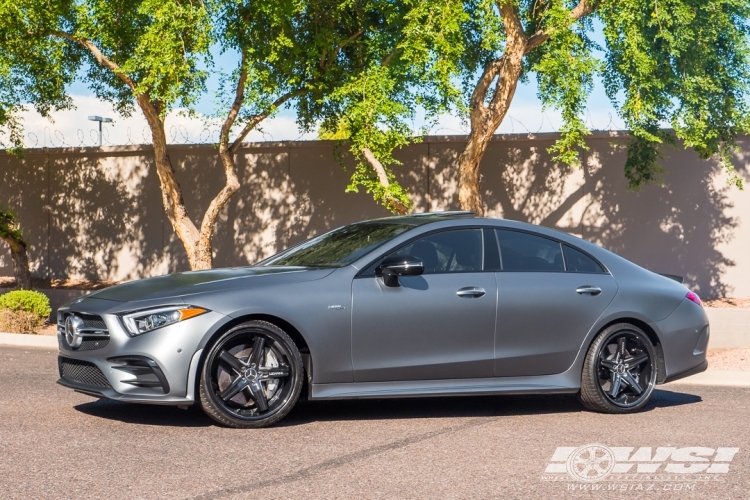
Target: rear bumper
[692,371]
[684,337]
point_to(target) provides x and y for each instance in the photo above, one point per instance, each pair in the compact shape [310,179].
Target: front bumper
[159,367]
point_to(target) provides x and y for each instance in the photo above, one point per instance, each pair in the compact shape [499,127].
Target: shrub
[23,311]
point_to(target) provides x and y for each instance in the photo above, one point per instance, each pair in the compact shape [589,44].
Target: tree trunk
[469,194]
[20,263]
[486,117]
[171,192]
[397,205]
[197,242]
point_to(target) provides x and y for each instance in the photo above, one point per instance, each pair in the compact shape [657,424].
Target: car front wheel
[620,370]
[252,376]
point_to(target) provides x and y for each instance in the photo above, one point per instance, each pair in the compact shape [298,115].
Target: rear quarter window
[578,262]
[528,252]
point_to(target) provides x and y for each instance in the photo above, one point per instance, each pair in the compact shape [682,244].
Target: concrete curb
[26,340]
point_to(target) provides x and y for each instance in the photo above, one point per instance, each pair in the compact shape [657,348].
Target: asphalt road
[55,443]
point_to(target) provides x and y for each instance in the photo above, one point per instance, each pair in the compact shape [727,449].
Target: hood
[190,283]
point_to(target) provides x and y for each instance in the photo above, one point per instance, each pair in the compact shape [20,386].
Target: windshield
[338,248]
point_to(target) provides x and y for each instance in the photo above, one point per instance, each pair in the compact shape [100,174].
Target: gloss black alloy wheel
[252,376]
[620,370]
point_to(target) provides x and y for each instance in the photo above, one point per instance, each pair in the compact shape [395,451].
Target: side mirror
[394,266]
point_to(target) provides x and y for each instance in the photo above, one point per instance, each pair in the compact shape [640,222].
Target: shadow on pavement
[376,409]
[166,416]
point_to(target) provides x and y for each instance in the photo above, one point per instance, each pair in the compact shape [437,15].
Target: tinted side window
[448,251]
[579,262]
[527,252]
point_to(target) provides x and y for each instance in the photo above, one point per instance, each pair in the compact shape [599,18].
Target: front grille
[94,331]
[82,372]
[91,321]
[91,345]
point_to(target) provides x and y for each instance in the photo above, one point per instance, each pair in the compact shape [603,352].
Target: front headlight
[141,322]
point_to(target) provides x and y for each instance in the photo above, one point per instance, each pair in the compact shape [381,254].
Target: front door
[436,326]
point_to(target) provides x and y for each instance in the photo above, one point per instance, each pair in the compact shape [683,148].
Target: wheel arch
[650,333]
[290,329]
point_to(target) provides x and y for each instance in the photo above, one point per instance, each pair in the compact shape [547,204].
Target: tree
[10,233]
[146,55]
[143,54]
[400,70]
[681,64]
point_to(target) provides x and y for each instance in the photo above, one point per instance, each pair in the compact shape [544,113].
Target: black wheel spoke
[257,355]
[274,372]
[636,360]
[237,365]
[232,389]
[608,364]
[259,396]
[630,380]
[616,382]
[621,352]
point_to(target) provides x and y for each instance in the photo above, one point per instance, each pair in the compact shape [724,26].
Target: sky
[73,129]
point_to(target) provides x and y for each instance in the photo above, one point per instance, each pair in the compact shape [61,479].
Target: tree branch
[388,58]
[239,98]
[383,179]
[583,8]
[515,38]
[256,119]
[98,55]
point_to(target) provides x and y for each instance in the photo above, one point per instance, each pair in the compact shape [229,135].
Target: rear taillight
[694,297]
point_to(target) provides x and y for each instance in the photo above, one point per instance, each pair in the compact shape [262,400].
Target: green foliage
[404,60]
[362,69]
[684,63]
[157,44]
[9,227]
[28,301]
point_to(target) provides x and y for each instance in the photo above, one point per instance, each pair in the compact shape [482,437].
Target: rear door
[549,297]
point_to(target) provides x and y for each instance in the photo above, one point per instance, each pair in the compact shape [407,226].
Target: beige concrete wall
[97,213]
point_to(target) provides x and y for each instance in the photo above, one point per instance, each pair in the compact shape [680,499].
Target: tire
[621,351]
[242,389]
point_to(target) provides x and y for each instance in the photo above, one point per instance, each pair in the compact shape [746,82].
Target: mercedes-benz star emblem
[72,326]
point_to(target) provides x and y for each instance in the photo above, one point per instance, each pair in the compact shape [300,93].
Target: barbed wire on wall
[179,134]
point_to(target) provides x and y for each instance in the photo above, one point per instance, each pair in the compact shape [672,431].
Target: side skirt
[545,384]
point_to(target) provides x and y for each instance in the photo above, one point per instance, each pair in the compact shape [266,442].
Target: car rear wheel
[620,370]
[252,376]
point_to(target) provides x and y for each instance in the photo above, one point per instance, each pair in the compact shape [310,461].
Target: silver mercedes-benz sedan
[430,304]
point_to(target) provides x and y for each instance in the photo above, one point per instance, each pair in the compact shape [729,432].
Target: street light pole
[100,120]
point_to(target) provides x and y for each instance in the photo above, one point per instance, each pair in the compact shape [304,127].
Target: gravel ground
[729,359]
[55,443]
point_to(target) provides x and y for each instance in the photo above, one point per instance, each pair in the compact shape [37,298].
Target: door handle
[589,290]
[471,291]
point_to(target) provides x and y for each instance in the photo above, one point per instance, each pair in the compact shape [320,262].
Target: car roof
[426,218]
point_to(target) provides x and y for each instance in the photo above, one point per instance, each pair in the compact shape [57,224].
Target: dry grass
[728,303]
[729,359]
[20,322]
